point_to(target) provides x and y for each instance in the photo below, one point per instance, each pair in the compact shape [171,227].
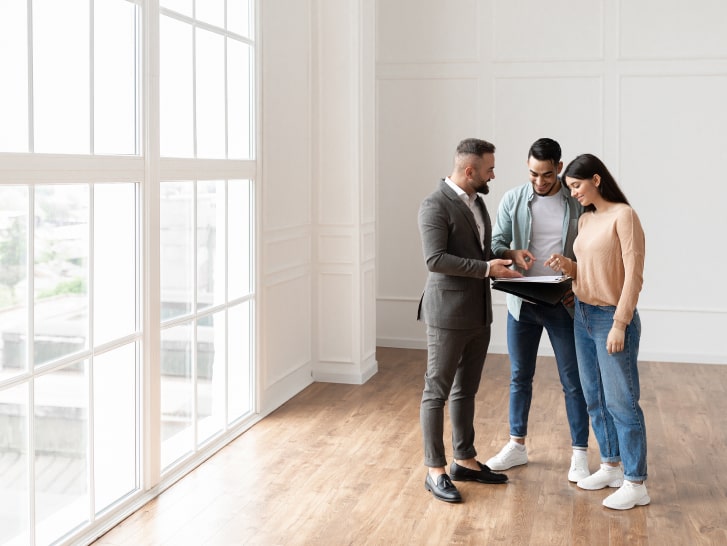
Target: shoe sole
[614,484]
[576,480]
[443,499]
[643,501]
[465,479]
[500,468]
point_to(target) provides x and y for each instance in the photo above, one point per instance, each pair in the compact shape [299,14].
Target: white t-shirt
[547,231]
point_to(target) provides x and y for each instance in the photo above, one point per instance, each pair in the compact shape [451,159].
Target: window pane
[14,68]
[114,424]
[239,357]
[13,279]
[211,11]
[61,76]
[210,243]
[175,82]
[176,248]
[210,376]
[177,393]
[61,438]
[114,261]
[114,77]
[14,496]
[61,275]
[210,95]
[239,100]
[239,248]
[238,17]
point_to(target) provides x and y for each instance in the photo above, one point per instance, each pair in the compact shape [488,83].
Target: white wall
[316,229]
[641,86]
[285,192]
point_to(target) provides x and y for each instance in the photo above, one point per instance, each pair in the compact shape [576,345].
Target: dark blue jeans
[455,359]
[523,338]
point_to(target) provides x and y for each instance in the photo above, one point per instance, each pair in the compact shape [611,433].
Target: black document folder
[548,292]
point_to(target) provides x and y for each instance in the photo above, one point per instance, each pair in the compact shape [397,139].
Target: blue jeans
[611,386]
[523,338]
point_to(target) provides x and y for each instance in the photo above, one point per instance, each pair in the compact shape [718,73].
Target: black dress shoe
[484,475]
[443,489]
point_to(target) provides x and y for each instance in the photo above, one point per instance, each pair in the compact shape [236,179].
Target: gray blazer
[457,293]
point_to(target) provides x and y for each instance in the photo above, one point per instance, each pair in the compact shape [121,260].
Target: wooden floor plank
[342,464]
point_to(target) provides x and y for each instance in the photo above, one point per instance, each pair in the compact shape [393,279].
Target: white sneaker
[513,454]
[606,476]
[630,494]
[578,466]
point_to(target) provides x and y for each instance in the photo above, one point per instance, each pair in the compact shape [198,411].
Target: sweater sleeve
[633,247]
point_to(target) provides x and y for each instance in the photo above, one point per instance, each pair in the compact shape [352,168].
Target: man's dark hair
[475,146]
[545,149]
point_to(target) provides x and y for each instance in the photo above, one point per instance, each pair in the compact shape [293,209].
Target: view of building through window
[81,272]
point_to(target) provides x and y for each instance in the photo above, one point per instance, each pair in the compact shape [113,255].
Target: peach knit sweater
[609,251]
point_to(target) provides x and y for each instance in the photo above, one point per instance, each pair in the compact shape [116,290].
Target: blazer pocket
[452,283]
[450,302]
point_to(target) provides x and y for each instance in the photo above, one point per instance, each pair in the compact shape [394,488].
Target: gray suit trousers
[454,378]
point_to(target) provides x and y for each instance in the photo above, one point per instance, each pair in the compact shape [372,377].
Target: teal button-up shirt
[514,225]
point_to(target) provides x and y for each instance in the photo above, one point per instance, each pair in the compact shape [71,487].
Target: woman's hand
[615,340]
[558,262]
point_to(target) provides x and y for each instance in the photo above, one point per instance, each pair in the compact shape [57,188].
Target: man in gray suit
[456,306]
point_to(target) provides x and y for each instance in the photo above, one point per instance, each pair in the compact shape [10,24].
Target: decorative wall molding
[595,76]
[344,372]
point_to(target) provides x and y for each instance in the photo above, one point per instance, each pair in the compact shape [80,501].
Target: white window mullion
[30,359]
[31,462]
[227,108]
[194,90]
[31,110]
[90,474]
[195,363]
[252,310]
[91,81]
[151,315]
[139,80]
[227,299]
[90,448]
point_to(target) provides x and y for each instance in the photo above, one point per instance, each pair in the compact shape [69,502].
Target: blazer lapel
[486,218]
[462,207]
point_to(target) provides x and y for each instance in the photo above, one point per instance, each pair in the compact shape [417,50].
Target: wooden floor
[342,464]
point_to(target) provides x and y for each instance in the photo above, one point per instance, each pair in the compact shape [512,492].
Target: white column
[344,207]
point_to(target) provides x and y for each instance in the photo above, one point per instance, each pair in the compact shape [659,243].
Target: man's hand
[501,268]
[569,300]
[521,258]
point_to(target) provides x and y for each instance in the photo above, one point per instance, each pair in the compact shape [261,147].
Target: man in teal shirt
[536,220]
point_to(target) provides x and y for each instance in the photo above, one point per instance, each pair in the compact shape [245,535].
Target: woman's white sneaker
[606,476]
[630,494]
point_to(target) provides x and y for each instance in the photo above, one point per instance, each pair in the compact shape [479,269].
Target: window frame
[148,170]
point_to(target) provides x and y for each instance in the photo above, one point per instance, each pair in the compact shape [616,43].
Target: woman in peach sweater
[607,280]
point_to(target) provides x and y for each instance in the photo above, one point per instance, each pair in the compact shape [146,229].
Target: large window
[127,301]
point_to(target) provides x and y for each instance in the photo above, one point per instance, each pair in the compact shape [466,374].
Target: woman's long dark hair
[586,166]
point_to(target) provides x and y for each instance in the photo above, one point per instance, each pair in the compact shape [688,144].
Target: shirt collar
[460,192]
